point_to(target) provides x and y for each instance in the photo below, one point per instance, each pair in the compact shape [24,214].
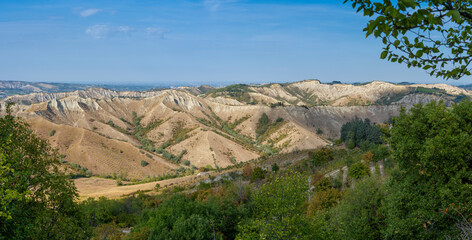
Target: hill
[153,133]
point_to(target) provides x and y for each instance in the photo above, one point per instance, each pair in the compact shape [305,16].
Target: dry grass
[101,187]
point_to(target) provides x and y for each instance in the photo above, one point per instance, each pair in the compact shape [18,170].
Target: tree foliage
[435,35]
[358,215]
[433,147]
[36,198]
[258,174]
[322,156]
[323,200]
[277,212]
[180,217]
[357,132]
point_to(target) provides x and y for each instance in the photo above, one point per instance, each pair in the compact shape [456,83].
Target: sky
[192,42]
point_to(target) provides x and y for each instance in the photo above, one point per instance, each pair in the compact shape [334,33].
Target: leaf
[455,15]
[383,55]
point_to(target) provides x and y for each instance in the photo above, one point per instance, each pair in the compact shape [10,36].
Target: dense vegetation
[34,194]
[360,132]
[420,189]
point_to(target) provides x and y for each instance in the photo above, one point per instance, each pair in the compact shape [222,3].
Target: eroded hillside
[158,132]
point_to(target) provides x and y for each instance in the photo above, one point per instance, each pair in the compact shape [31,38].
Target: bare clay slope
[153,133]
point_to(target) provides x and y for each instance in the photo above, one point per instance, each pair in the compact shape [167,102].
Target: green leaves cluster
[36,198]
[433,147]
[434,35]
[277,210]
[358,170]
[180,217]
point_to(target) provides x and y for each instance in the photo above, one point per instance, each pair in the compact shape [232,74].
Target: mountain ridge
[111,132]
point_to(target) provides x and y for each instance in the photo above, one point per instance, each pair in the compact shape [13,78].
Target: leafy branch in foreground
[37,200]
[434,35]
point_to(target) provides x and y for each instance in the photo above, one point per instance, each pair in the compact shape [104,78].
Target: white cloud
[124,29]
[104,31]
[151,31]
[89,12]
[215,5]
[212,5]
[98,31]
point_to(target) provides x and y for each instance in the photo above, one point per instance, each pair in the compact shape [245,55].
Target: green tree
[180,217]
[358,132]
[37,200]
[435,35]
[262,124]
[358,214]
[278,211]
[432,145]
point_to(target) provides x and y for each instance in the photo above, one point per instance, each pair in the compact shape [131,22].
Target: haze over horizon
[214,42]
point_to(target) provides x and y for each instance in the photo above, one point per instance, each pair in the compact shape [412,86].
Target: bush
[380,153]
[358,170]
[368,157]
[258,174]
[322,156]
[52,132]
[247,171]
[323,184]
[186,162]
[144,163]
[275,167]
[324,200]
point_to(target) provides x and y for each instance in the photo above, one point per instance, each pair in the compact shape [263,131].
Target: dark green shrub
[144,163]
[322,156]
[258,174]
[275,167]
[323,184]
[358,170]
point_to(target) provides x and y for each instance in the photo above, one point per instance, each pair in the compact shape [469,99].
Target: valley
[155,135]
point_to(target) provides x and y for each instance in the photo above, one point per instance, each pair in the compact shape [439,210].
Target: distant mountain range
[9,88]
[159,131]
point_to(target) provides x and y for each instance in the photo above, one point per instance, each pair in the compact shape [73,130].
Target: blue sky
[191,42]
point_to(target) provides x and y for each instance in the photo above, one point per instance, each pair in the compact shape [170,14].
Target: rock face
[110,132]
